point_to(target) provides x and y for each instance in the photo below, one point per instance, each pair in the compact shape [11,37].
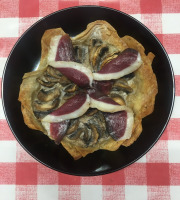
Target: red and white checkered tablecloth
[155,176]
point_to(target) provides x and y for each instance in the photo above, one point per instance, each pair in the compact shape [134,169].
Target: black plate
[24,58]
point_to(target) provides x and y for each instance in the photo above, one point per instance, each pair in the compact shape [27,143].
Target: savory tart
[90,91]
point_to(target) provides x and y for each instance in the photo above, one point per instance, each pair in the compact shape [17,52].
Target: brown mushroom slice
[91,112]
[73,126]
[128,61]
[94,134]
[53,72]
[98,56]
[69,95]
[76,134]
[45,83]
[118,99]
[71,88]
[46,106]
[120,123]
[122,84]
[48,95]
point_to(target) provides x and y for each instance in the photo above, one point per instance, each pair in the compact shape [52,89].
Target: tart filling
[90,92]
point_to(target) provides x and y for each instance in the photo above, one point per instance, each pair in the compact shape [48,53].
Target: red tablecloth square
[158,174]
[94,180]
[160,37]
[153,6]
[68,179]
[66,4]
[28,8]
[26,173]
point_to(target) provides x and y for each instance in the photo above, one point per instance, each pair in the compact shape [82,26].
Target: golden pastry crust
[28,89]
[144,84]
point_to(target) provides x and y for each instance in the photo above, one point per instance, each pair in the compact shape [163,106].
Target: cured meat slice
[56,131]
[65,50]
[61,49]
[102,102]
[128,61]
[75,72]
[73,108]
[120,123]
[103,86]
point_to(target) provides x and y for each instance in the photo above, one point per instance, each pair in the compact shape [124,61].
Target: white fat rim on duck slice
[103,106]
[73,65]
[77,113]
[116,75]
[53,48]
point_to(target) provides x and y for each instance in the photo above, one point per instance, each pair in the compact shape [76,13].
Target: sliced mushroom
[51,79]
[73,127]
[71,88]
[47,106]
[53,72]
[94,134]
[98,56]
[88,129]
[45,83]
[121,84]
[40,114]
[75,135]
[86,136]
[118,99]
[91,112]
[64,81]
[48,95]
[80,53]
[69,95]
